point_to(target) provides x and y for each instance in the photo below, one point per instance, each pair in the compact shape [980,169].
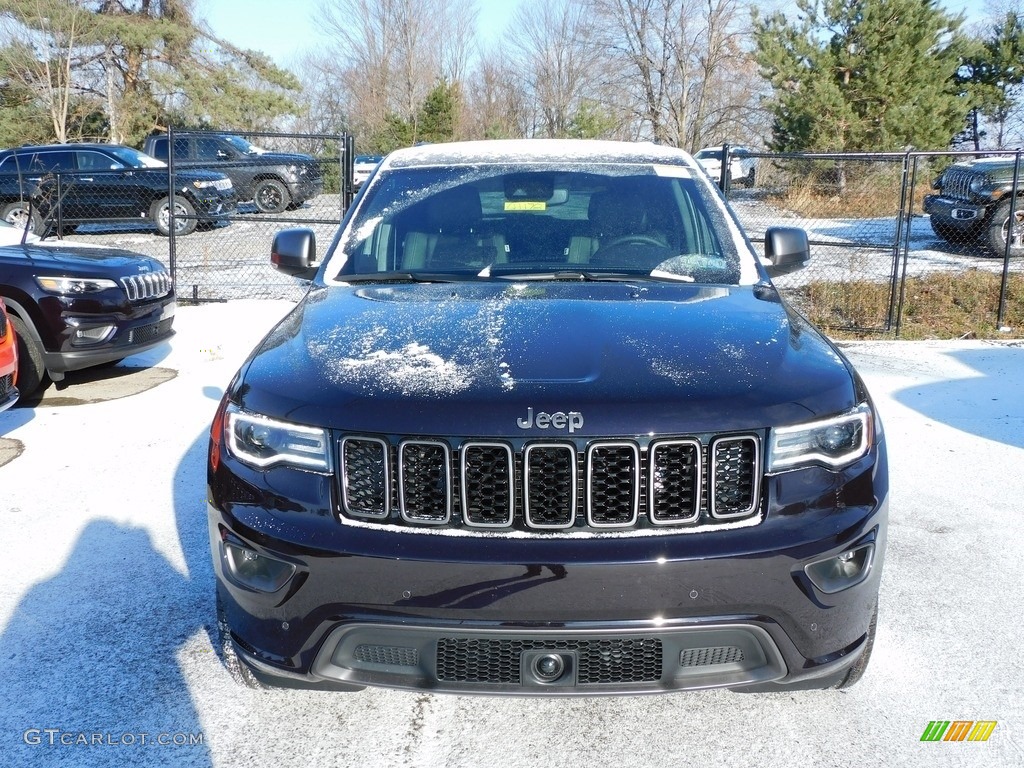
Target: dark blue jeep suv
[542,424]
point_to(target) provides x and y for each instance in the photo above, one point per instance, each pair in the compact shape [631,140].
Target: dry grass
[871,191]
[943,305]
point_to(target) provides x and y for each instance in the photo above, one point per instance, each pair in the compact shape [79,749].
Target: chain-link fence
[208,209]
[874,221]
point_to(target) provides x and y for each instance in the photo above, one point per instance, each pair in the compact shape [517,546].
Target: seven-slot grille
[550,486]
[145,286]
[956,183]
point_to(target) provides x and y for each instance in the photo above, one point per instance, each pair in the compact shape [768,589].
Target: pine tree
[863,75]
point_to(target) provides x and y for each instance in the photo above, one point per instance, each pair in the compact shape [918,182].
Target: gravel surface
[107,615]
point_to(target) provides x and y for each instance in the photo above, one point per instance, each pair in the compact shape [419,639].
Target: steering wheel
[634,240]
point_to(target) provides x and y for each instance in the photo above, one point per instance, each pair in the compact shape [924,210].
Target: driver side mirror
[787,249]
[294,252]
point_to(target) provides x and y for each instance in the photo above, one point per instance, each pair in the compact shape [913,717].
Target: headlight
[833,442]
[261,442]
[74,286]
[977,184]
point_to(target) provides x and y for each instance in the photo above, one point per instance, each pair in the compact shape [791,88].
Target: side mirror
[787,249]
[294,253]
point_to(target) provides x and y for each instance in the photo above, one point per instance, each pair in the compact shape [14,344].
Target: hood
[284,158]
[185,175]
[70,258]
[480,358]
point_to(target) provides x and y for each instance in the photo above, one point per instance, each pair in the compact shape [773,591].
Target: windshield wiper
[580,276]
[400,277]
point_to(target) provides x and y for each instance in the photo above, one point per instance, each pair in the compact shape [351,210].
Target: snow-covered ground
[106,608]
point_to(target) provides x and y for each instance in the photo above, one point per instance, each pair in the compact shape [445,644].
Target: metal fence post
[1011,229]
[172,245]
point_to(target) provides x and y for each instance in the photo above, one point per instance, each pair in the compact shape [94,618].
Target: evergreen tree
[862,75]
[991,78]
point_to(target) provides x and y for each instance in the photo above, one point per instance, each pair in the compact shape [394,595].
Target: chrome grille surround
[490,486]
[425,481]
[146,285]
[613,480]
[735,464]
[549,503]
[494,459]
[365,481]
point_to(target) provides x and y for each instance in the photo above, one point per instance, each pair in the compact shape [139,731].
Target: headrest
[455,210]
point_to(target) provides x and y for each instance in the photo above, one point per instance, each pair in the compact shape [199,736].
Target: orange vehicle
[8,361]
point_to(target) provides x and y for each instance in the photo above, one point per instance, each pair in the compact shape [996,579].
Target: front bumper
[215,206]
[478,614]
[140,328]
[955,213]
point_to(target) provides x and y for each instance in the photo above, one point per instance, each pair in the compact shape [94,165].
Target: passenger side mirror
[787,248]
[294,252]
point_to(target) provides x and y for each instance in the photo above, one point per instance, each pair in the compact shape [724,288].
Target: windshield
[599,222]
[135,159]
[243,146]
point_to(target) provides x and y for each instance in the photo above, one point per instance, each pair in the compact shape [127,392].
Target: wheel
[31,369]
[184,216]
[18,214]
[271,196]
[237,668]
[998,225]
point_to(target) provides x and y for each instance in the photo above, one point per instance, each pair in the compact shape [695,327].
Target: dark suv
[274,181]
[973,202]
[76,306]
[542,424]
[64,185]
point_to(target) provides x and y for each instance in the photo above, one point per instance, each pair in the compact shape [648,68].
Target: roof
[535,150]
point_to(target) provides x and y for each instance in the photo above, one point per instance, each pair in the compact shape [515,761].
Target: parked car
[973,202]
[363,166]
[8,361]
[742,167]
[543,425]
[64,185]
[274,181]
[75,306]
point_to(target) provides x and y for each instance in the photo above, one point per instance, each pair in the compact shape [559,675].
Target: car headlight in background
[74,286]
[261,442]
[834,442]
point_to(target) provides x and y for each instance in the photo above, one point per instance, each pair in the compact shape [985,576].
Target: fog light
[842,571]
[83,337]
[252,570]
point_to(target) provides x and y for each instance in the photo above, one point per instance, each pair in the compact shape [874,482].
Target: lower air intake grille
[704,657]
[146,333]
[600,661]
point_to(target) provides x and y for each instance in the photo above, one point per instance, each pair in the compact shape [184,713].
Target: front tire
[184,216]
[31,369]
[999,225]
[271,196]
[18,215]
[237,668]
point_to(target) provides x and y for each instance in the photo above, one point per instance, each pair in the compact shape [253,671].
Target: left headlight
[834,442]
[74,286]
[262,442]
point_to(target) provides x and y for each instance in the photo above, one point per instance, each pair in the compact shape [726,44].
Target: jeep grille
[956,183]
[550,486]
[146,286]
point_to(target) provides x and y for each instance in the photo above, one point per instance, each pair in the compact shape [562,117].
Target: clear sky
[284,28]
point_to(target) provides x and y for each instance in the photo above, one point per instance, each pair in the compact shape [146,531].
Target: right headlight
[834,442]
[262,442]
